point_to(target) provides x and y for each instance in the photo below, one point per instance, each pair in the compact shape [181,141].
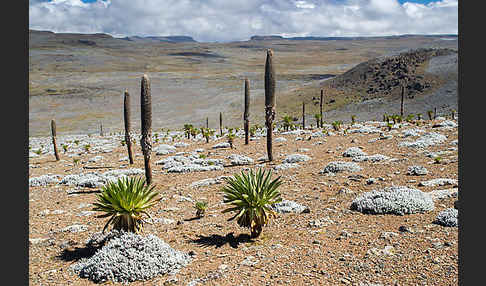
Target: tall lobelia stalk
[146,114]
[269,100]
[126,113]
[207,122]
[320,105]
[401,105]
[221,124]
[53,131]
[246,114]
[303,115]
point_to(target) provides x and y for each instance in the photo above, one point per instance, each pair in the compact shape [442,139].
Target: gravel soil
[339,247]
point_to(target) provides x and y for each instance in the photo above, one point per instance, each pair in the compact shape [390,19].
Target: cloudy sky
[231,20]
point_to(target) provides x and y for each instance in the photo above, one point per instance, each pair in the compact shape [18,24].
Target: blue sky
[224,20]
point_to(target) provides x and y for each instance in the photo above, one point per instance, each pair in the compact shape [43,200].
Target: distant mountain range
[88,38]
[314,38]
[167,39]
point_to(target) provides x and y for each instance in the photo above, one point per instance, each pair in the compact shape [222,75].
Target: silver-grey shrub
[447,217]
[397,200]
[131,257]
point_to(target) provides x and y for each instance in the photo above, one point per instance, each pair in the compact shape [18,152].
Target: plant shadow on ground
[77,253]
[218,240]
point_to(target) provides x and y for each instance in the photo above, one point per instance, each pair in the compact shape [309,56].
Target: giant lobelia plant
[250,195]
[125,201]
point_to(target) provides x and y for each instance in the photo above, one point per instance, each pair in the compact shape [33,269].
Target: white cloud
[222,20]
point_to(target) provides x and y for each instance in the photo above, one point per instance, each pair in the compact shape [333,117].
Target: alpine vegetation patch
[194,168]
[131,257]
[397,200]
[44,180]
[339,166]
[208,182]
[412,132]
[285,166]
[221,145]
[94,180]
[426,140]
[238,160]
[447,217]
[295,158]
[164,149]
[354,152]
[371,158]
[364,129]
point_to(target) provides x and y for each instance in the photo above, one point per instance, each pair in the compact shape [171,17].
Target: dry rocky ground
[330,245]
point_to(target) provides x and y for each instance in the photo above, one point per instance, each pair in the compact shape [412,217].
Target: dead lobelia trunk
[246,114]
[126,115]
[269,100]
[146,116]
[53,131]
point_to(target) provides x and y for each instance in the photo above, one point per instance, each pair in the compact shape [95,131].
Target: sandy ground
[345,250]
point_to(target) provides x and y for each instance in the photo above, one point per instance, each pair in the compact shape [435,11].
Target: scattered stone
[445,123]
[370,181]
[180,145]
[280,139]
[438,182]
[208,182]
[75,228]
[320,222]
[86,213]
[286,206]
[249,261]
[95,159]
[417,171]
[36,241]
[397,200]
[404,228]
[163,220]
[345,191]
[388,235]
[443,194]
